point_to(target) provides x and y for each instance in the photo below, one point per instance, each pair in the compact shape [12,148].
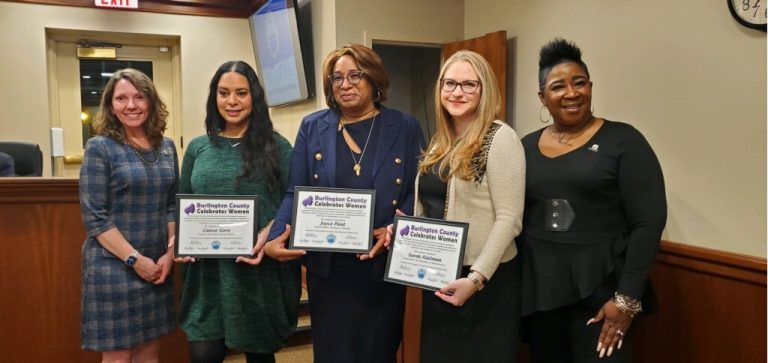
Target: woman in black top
[594,212]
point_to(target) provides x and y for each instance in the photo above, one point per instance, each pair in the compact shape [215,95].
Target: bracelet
[627,305]
[476,279]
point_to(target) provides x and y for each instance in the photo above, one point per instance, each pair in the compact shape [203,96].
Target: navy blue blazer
[314,164]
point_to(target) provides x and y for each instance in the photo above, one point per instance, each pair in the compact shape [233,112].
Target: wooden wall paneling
[712,308]
[41,235]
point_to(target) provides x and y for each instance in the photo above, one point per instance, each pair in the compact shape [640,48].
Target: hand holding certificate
[426,253]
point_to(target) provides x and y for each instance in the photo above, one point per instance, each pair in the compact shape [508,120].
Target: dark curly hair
[556,52]
[107,124]
[259,151]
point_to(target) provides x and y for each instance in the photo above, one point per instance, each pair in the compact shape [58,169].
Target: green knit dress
[253,308]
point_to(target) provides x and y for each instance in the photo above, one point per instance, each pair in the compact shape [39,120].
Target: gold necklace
[357,162]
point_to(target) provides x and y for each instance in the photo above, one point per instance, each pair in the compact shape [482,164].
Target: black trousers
[562,336]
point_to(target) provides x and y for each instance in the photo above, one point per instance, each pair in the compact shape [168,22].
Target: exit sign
[120,4]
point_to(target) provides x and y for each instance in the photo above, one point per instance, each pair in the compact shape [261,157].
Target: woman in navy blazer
[357,143]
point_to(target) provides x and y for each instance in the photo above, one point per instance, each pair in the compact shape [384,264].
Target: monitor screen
[279,60]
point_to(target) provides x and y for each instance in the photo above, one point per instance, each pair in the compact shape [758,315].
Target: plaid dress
[120,190]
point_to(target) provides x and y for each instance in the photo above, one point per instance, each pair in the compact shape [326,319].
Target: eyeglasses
[354,77]
[468,87]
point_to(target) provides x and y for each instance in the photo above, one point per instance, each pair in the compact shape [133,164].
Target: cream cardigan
[493,207]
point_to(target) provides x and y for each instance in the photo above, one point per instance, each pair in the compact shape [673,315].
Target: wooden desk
[41,235]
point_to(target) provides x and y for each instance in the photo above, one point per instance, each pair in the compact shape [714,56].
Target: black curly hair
[556,52]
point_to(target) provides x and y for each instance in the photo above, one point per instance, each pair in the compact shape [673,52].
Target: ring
[619,332]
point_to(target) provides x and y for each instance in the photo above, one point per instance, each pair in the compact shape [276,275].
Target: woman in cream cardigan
[473,171]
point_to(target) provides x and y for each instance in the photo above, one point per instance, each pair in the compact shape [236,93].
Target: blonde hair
[455,152]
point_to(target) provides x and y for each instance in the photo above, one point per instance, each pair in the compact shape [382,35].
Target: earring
[378,96]
[542,118]
[332,101]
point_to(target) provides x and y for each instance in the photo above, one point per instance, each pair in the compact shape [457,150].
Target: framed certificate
[426,253]
[216,225]
[332,219]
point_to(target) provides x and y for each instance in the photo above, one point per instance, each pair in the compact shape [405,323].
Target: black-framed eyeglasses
[468,87]
[354,77]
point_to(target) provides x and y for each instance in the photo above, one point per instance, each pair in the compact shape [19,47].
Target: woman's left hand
[380,234]
[615,327]
[457,292]
[258,249]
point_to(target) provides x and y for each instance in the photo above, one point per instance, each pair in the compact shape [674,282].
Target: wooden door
[492,46]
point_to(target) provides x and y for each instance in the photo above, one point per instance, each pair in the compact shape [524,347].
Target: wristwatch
[477,279]
[132,258]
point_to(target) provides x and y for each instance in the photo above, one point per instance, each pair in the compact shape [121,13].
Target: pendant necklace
[230,142]
[562,138]
[229,139]
[357,162]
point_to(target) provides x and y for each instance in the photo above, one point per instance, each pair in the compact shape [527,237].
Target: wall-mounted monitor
[279,58]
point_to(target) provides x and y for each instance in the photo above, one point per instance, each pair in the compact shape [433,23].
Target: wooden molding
[724,264]
[39,190]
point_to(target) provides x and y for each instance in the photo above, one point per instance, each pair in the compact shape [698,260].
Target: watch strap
[477,279]
[130,261]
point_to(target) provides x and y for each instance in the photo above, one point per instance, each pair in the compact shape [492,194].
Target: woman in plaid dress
[128,183]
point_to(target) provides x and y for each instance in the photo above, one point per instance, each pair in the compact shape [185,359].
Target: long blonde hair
[446,149]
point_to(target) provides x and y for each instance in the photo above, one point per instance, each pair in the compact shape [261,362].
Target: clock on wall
[750,13]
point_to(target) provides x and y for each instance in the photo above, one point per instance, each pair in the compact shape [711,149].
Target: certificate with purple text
[332,219]
[216,226]
[426,253]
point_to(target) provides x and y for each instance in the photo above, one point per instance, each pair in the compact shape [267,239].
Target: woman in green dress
[246,304]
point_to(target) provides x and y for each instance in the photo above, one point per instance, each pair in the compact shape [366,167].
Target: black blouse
[593,218]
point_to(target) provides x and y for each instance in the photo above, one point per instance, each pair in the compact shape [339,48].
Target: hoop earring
[378,96]
[542,118]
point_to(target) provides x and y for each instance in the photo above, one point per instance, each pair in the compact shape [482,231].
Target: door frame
[173,42]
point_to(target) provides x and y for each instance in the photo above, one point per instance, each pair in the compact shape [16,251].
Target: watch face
[131,260]
[750,13]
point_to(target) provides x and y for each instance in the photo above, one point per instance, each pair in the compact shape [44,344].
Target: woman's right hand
[388,239]
[147,269]
[185,259]
[276,249]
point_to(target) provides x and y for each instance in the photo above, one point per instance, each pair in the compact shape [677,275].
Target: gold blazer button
[398,161]
[317,177]
[398,181]
[318,156]
[394,202]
